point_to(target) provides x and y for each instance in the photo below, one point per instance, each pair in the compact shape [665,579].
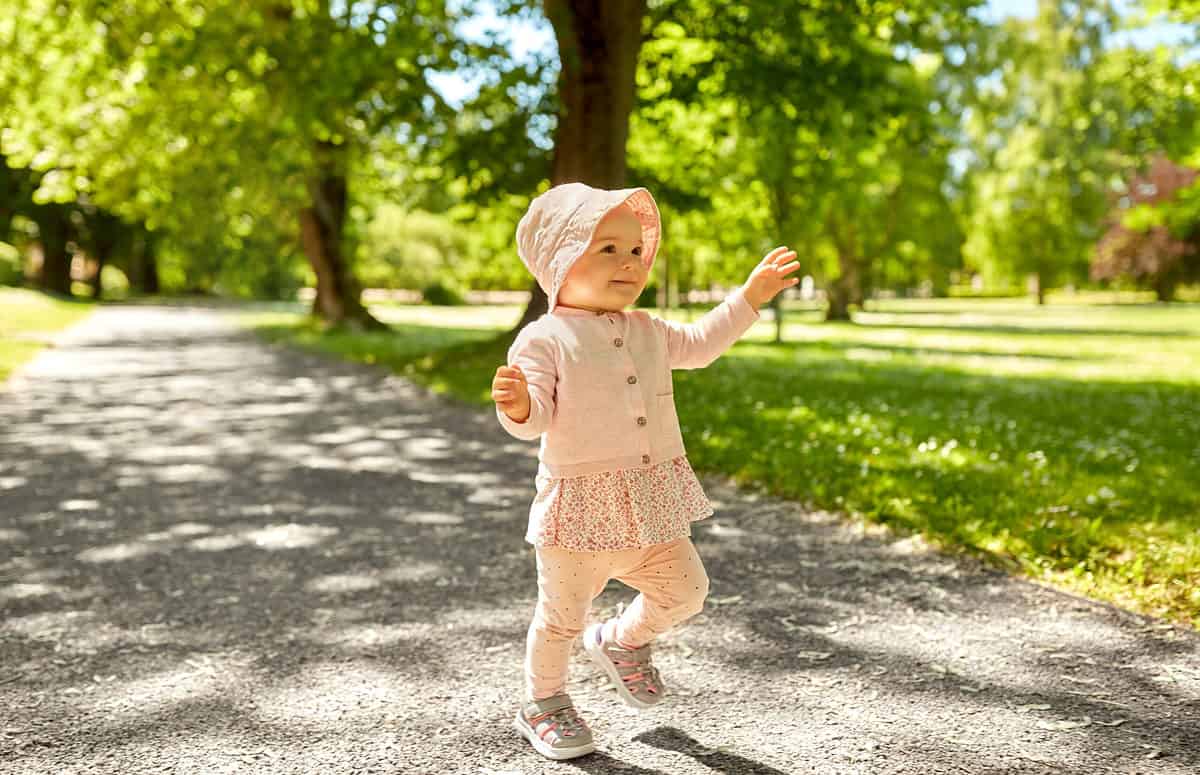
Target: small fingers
[771,257]
[512,372]
[782,257]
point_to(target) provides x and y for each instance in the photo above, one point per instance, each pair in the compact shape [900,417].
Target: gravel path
[217,556]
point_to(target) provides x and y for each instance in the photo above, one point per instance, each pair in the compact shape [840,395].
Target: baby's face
[610,274]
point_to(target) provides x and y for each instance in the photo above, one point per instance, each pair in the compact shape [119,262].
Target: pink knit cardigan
[600,387]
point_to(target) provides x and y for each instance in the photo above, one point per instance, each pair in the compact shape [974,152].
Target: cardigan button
[618,342]
[641,421]
[632,380]
[645,458]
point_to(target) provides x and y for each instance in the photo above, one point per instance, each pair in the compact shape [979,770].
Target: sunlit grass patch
[1069,481]
[1062,442]
[28,318]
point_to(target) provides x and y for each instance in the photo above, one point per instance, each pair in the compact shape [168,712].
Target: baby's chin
[615,301]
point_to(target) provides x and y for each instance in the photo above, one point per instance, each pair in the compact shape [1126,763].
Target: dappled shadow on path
[222,551]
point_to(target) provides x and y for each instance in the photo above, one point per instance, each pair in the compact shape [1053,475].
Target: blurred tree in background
[1146,243]
[256,148]
[1062,119]
[234,128]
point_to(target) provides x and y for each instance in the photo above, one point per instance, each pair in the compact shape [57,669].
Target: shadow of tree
[208,542]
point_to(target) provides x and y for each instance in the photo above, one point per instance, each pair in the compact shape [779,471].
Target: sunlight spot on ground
[79,505]
[500,496]
[428,447]
[180,529]
[216,543]
[424,517]
[366,447]
[39,518]
[87,523]
[116,552]
[415,571]
[330,463]
[337,692]
[912,545]
[284,448]
[20,591]
[187,472]
[331,510]
[430,477]
[160,453]
[392,434]
[341,436]
[383,463]
[372,634]
[192,681]
[12,534]
[290,536]
[341,582]
[47,625]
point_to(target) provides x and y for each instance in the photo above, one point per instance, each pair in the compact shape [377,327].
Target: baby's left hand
[769,277]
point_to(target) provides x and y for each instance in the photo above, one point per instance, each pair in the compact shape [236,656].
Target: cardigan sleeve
[534,353]
[695,345]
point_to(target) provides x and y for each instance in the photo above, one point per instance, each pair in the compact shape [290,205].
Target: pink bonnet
[560,224]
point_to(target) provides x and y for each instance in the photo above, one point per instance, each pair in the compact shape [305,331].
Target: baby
[615,493]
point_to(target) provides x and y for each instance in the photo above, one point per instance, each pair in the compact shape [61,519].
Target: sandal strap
[561,712]
[548,705]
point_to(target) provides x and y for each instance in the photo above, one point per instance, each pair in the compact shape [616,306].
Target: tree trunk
[143,265]
[1164,288]
[781,212]
[54,229]
[598,44]
[105,232]
[839,301]
[150,266]
[846,288]
[337,300]
[97,286]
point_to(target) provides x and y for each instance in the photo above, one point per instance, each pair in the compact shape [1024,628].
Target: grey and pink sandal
[554,729]
[636,680]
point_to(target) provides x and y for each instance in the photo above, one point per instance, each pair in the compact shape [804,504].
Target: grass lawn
[27,317]
[1062,442]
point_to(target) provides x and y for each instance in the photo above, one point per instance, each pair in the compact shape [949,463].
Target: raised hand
[510,391]
[770,276]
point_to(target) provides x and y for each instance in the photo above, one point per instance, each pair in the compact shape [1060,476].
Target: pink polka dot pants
[671,584]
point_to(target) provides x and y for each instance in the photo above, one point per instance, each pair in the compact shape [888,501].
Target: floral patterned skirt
[624,509]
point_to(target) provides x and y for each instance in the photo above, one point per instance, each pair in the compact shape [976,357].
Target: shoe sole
[544,748]
[604,663]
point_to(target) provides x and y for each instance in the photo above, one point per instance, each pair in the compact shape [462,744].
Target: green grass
[27,318]
[1062,442]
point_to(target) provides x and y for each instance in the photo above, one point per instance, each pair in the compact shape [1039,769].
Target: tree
[598,44]
[1144,245]
[229,122]
[1043,145]
[830,132]
[53,219]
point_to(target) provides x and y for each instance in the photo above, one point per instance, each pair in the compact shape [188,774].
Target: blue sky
[534,36]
